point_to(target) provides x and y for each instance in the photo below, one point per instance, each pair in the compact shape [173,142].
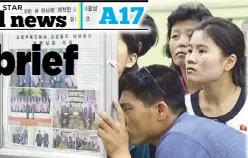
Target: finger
[120,114]
[106,139]
[104,126]
[108,120]
[103,135]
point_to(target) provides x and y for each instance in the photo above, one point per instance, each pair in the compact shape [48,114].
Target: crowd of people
[196,107]
[34,104]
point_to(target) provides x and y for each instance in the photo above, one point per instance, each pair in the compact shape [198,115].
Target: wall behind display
[237,10]
[245,29]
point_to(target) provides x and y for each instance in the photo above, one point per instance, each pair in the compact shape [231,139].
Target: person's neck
[190,86]
[215,93]
[164,130]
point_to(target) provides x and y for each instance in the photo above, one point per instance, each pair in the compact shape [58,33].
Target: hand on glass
[114,134]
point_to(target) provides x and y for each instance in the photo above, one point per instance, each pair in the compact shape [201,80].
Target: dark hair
[163,83]
[147,39]
[186,11]
[230,40]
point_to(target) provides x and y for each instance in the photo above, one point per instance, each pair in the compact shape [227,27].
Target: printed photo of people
[64,139]
[19,135]
[44,80]
[42,137]
[89,110]
[87,141]
[26,80]
[62,80]
[75,109]
[30,106]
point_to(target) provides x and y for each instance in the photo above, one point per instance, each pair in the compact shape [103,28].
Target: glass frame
[107,94]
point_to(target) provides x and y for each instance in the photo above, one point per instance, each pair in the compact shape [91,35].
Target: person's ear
[132,59]
[140,46]
[230,62]
[161,109]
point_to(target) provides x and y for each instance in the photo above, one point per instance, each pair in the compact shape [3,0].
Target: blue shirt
[197,137]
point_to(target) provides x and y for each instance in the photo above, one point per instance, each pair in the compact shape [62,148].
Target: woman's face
[205,61]
[125,60]
[179,39]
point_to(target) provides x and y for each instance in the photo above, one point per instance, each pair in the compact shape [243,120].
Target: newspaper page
[56,111]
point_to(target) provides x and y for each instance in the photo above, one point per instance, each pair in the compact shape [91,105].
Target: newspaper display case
[57,116]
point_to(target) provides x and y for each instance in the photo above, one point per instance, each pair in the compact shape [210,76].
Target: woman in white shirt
[216,60]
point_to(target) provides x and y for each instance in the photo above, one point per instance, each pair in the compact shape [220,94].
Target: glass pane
[55,112]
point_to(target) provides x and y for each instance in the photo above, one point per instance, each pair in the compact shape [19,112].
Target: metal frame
[111,73]
[1,97]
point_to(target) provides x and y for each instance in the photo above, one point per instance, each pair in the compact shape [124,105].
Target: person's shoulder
[174,135]
[189,124]
[187,120]
[178,144]
[207,132]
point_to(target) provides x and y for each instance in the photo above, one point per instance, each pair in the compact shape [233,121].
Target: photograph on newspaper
[44,80]
[30,107]
[42,137]
[19,135]
[64,139]
[88,141]
[75,109]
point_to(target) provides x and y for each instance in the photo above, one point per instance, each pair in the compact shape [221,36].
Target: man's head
[134,45]
[151,98]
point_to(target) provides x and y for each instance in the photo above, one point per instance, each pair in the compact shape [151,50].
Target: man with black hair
[131,46]
[152,110]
